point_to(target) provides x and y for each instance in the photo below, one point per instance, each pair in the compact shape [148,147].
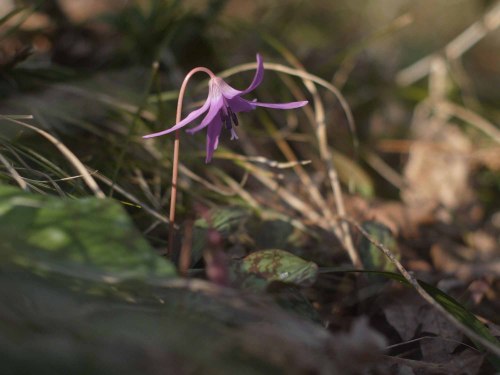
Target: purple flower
[222,105]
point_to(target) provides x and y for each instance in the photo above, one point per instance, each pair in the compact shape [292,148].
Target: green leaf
[88,237]
[265,266]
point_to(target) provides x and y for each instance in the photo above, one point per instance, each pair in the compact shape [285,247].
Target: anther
[233,116]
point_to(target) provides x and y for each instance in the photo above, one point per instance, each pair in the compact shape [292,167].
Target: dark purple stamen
[226,120]
[233,116]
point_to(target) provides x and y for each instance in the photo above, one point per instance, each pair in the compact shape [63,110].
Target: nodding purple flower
[222,105]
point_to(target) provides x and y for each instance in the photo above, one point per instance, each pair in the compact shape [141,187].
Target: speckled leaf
[87,236]
[274,265]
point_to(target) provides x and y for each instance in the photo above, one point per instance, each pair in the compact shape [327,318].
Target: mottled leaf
[89,236]
[262,267]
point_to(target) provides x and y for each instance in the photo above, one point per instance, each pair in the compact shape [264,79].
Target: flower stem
[175,160]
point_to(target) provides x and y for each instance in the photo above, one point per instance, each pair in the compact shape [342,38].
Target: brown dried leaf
[410,316]
[438,169]
[465,363]
[402,315]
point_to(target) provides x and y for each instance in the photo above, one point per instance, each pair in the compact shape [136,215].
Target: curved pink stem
[175,161]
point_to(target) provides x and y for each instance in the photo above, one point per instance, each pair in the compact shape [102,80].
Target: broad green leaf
[89,236]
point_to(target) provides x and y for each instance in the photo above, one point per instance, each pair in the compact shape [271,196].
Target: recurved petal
[238,104]
[190,117]
[257,79]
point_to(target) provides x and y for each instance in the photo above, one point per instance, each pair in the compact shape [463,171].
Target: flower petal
[289,105]
[215,108]
[227,91]
[192,116]
[213,133]
[238,104]
[230,92]
[257,79]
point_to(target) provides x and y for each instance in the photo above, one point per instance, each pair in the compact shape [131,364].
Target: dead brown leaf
[438,169]
[439,340]
[411,316]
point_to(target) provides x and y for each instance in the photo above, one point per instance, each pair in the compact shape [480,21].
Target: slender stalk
[175,159]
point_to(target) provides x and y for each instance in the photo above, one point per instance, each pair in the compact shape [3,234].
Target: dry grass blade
[238,189]
[89,180]
[325,153]
[130,197]
[306,76]
[300,206]
[472,118]
[262,160]
[15,175]
[286,150]
[215,188]
[383,169]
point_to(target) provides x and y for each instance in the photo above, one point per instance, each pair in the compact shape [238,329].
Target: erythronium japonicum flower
[222,105]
